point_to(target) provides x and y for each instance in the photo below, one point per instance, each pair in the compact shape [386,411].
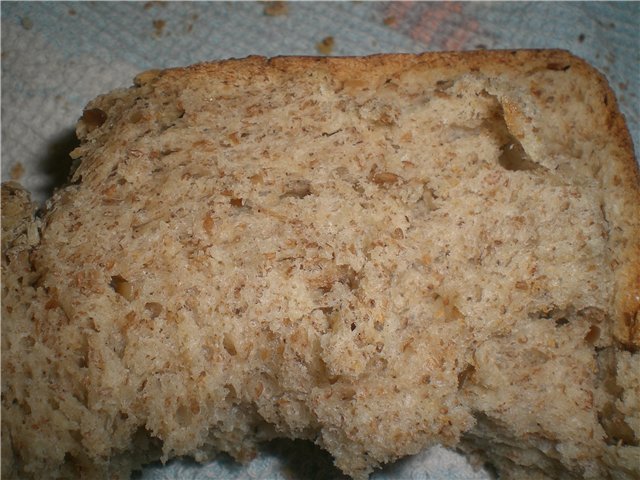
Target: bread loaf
[376,254]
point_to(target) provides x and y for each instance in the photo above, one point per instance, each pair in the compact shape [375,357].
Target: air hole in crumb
[93,118]
[122,287]
[135,116]
[154,309]
[231,389]
[182,415]
[465,374]
[297,189]
[229,346]
[351,279]
[558,66]
[592,335]
[617,430]
[347,393]
[397,234]
[385,178]
[561,321]
[327,310]
[353,327]
[444,84]
[491,469]
[513,156]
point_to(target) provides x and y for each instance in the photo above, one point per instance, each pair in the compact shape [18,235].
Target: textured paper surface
[58,56]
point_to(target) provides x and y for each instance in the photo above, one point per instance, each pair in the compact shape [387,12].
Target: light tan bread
[378,254]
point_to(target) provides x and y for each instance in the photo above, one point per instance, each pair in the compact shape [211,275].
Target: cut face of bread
[376,254]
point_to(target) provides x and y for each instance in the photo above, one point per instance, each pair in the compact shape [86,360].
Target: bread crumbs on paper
[325,47]
[274,9]
[158,26]
[390,21]
[26,23]
[17,171]
[151,4]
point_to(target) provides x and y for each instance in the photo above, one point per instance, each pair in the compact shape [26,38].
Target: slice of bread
[377,254]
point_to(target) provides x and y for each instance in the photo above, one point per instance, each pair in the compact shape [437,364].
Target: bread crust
[373,253]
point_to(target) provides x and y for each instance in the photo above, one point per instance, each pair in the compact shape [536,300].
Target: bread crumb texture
[376,254]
